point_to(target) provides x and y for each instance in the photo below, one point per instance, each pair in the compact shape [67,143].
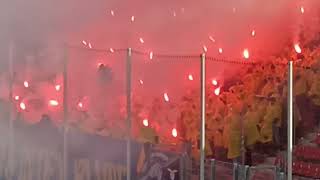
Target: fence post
[213,169]
[65,113]
[128,70]
[290,120]
[203,115]
[235,171]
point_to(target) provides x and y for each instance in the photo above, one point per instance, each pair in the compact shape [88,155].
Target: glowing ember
[174,132]
[166,97]
[111,50]
[151,55]
[84,42]
[80,105]
[220,50]
[132,18]
[90,46]
[145,122]
[302,9]
[23,106]
[214,82]
[205,49]
[141,82]
[112,13]
[253,33]
[212,39]
[53,103]
[297,48]
[26,84]
[141,40]
[16,98]
[190,77]
[57,87]
[246,54]
[217,91]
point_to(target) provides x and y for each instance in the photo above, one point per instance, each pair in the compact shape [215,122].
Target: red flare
[26,84]
[132,18]
[58,87]
[246,54]
[111,50]
[220,50]
[190,77]
[297,48]
[53,103]
[80,105]
[253,33]
[214,82]
[151,55]
[141,82]
[174,132]
[23,106]
[84,42]
[16,98]
[145,122]
[302,10]
[217,91]
[141,40]
[90,46]
[166,97]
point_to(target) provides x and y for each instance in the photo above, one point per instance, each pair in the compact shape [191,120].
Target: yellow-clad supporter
[251,121]
[314,92]
[234,140]
[300,85]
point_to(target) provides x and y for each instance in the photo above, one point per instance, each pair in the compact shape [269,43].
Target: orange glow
[23,106]
[166,97]
[214,82]
[297,48]
[111,50]
[205,49]
[84,42]
[16,98]
[217,91]
[151,55]
[246,54]
[145,122]
[141,40]
[220,50]
[253,33]
[90,46]
[26,84]
[174,132]
[302,10]
[53,103]
[190,77]
[58,87]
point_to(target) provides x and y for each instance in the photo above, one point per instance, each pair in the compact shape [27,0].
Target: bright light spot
[16,98]
[23,106]
[297,48]
[214,82]
[253,33]
[190,77]
[174,14]
[90,46]
[205,49]
[174,132]
[145,122]
[151,55]
[57,87]
[234,10]
[141,40]
[220,50]
[141,82]
[217,91]
[302,9]
[84,42]
[111,50]
[246,54]
[112,13]
[99,64]
[80,105]
[53,103]
[132,18]
[26,84]
[212,39]
[166,97]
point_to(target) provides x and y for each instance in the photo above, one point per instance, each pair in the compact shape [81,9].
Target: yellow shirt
[234,140]
[252,134]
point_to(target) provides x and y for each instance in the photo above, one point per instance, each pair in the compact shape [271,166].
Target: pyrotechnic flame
[141,82]
[23,106]
[84,42]
[90,46]
[166,97]
[302,10]
[151,55]
[111,50]
[145,122]
[297,48]
[112,13]
[132,18]
[16,98]
[214,82]
[141,40]
[190,77]
[53,103]
[58,87]
[205,49]
[174,132]
[220,50]
[253,33]
[80,105]
[217,91]
[212,39]
[26,84]
[246,54]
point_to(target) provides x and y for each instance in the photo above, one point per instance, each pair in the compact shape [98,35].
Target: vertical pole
[65,113]
[11,113]
[290,120]
[203,115]
[213,169]
[243,149]
[129,54]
